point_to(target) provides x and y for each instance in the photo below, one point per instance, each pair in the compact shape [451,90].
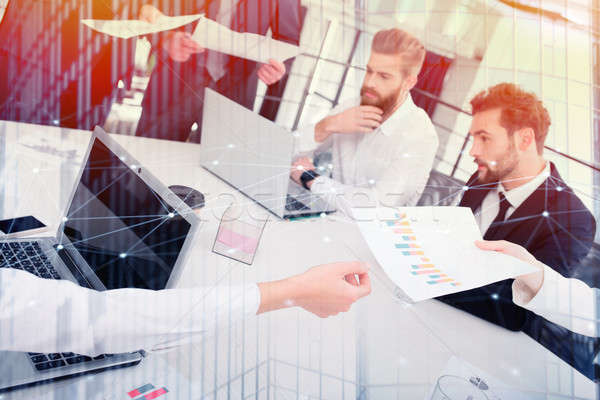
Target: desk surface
[382,348]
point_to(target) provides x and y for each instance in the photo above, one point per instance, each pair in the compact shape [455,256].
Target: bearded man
[519,196]
[382,145]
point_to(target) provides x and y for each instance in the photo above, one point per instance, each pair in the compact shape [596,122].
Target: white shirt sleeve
[402,183]
[85,321]
[567,302]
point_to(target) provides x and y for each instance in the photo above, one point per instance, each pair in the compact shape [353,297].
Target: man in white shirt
[85,321]
[383,146]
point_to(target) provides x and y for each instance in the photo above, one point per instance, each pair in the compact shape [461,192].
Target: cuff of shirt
[524,297]
[323,186]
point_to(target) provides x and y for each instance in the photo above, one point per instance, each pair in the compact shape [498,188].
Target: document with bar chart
[429,251]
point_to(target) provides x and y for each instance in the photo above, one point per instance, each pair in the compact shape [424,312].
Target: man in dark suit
[518,196]
[172,105]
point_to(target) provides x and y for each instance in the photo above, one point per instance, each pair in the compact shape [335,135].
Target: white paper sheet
[214,36]
[429,251]
[126,29]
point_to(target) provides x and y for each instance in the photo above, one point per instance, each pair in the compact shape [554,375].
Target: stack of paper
[429,251]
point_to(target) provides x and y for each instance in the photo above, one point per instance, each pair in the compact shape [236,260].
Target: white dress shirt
[53,316]
[567,302]
[490,206]
[390,165]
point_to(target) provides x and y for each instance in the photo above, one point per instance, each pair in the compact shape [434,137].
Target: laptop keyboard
[28,256]
[44,362]
[291,204]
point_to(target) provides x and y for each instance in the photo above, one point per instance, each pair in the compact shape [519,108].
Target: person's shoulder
[564,199]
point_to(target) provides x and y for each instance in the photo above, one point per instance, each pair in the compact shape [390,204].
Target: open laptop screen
[127,234]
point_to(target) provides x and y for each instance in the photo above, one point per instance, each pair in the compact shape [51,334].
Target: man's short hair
[397,41]
[520,109]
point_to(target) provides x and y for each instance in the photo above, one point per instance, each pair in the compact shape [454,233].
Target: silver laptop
[122,228]
[254,155]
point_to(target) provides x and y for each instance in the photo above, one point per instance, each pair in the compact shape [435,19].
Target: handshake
[180,47]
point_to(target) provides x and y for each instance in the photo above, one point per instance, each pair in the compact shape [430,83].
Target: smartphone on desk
[21,226]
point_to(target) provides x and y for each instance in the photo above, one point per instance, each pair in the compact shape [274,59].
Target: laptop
[121,228]
[254,155]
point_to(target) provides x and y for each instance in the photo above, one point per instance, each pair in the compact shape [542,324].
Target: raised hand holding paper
[126,29]
[429,251]
[214,36]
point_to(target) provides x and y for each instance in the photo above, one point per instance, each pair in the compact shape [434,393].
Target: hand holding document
[214,36]
[126,29]
[208,34]
[429,251]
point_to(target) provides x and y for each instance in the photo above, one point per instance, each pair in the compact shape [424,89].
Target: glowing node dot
[231,251]
[133,166]
[171,215]
[323,215]
[299,168]
[120,84]
[195,126]
[465,188]
[495,296]
[545,213]
[371,181]
[60,247]
[320,168]
[65,219]
[330,166]
[36,170]
[216,162]
[559,188]
[55,122]
[122,255]
[122,158]
[492,163]
[231,145]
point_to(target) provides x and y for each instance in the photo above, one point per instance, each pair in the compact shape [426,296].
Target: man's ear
[525,138]
[409,83]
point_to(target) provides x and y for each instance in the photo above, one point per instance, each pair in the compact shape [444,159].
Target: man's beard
[503,167]
[384,103]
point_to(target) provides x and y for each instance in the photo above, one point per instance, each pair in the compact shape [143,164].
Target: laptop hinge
[68,260]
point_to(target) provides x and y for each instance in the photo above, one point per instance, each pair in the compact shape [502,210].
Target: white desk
[380,349]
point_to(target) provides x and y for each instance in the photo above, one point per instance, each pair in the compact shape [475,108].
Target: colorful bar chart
[425,272]
[139,391]
[397,223]
[146,392]
[409,246]
[156,393]
[412,253]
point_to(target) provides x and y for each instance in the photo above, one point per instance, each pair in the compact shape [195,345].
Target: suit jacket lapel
[533,207]
[476,193]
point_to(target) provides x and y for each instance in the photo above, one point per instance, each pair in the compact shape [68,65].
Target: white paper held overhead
[126,29]
[214,36]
